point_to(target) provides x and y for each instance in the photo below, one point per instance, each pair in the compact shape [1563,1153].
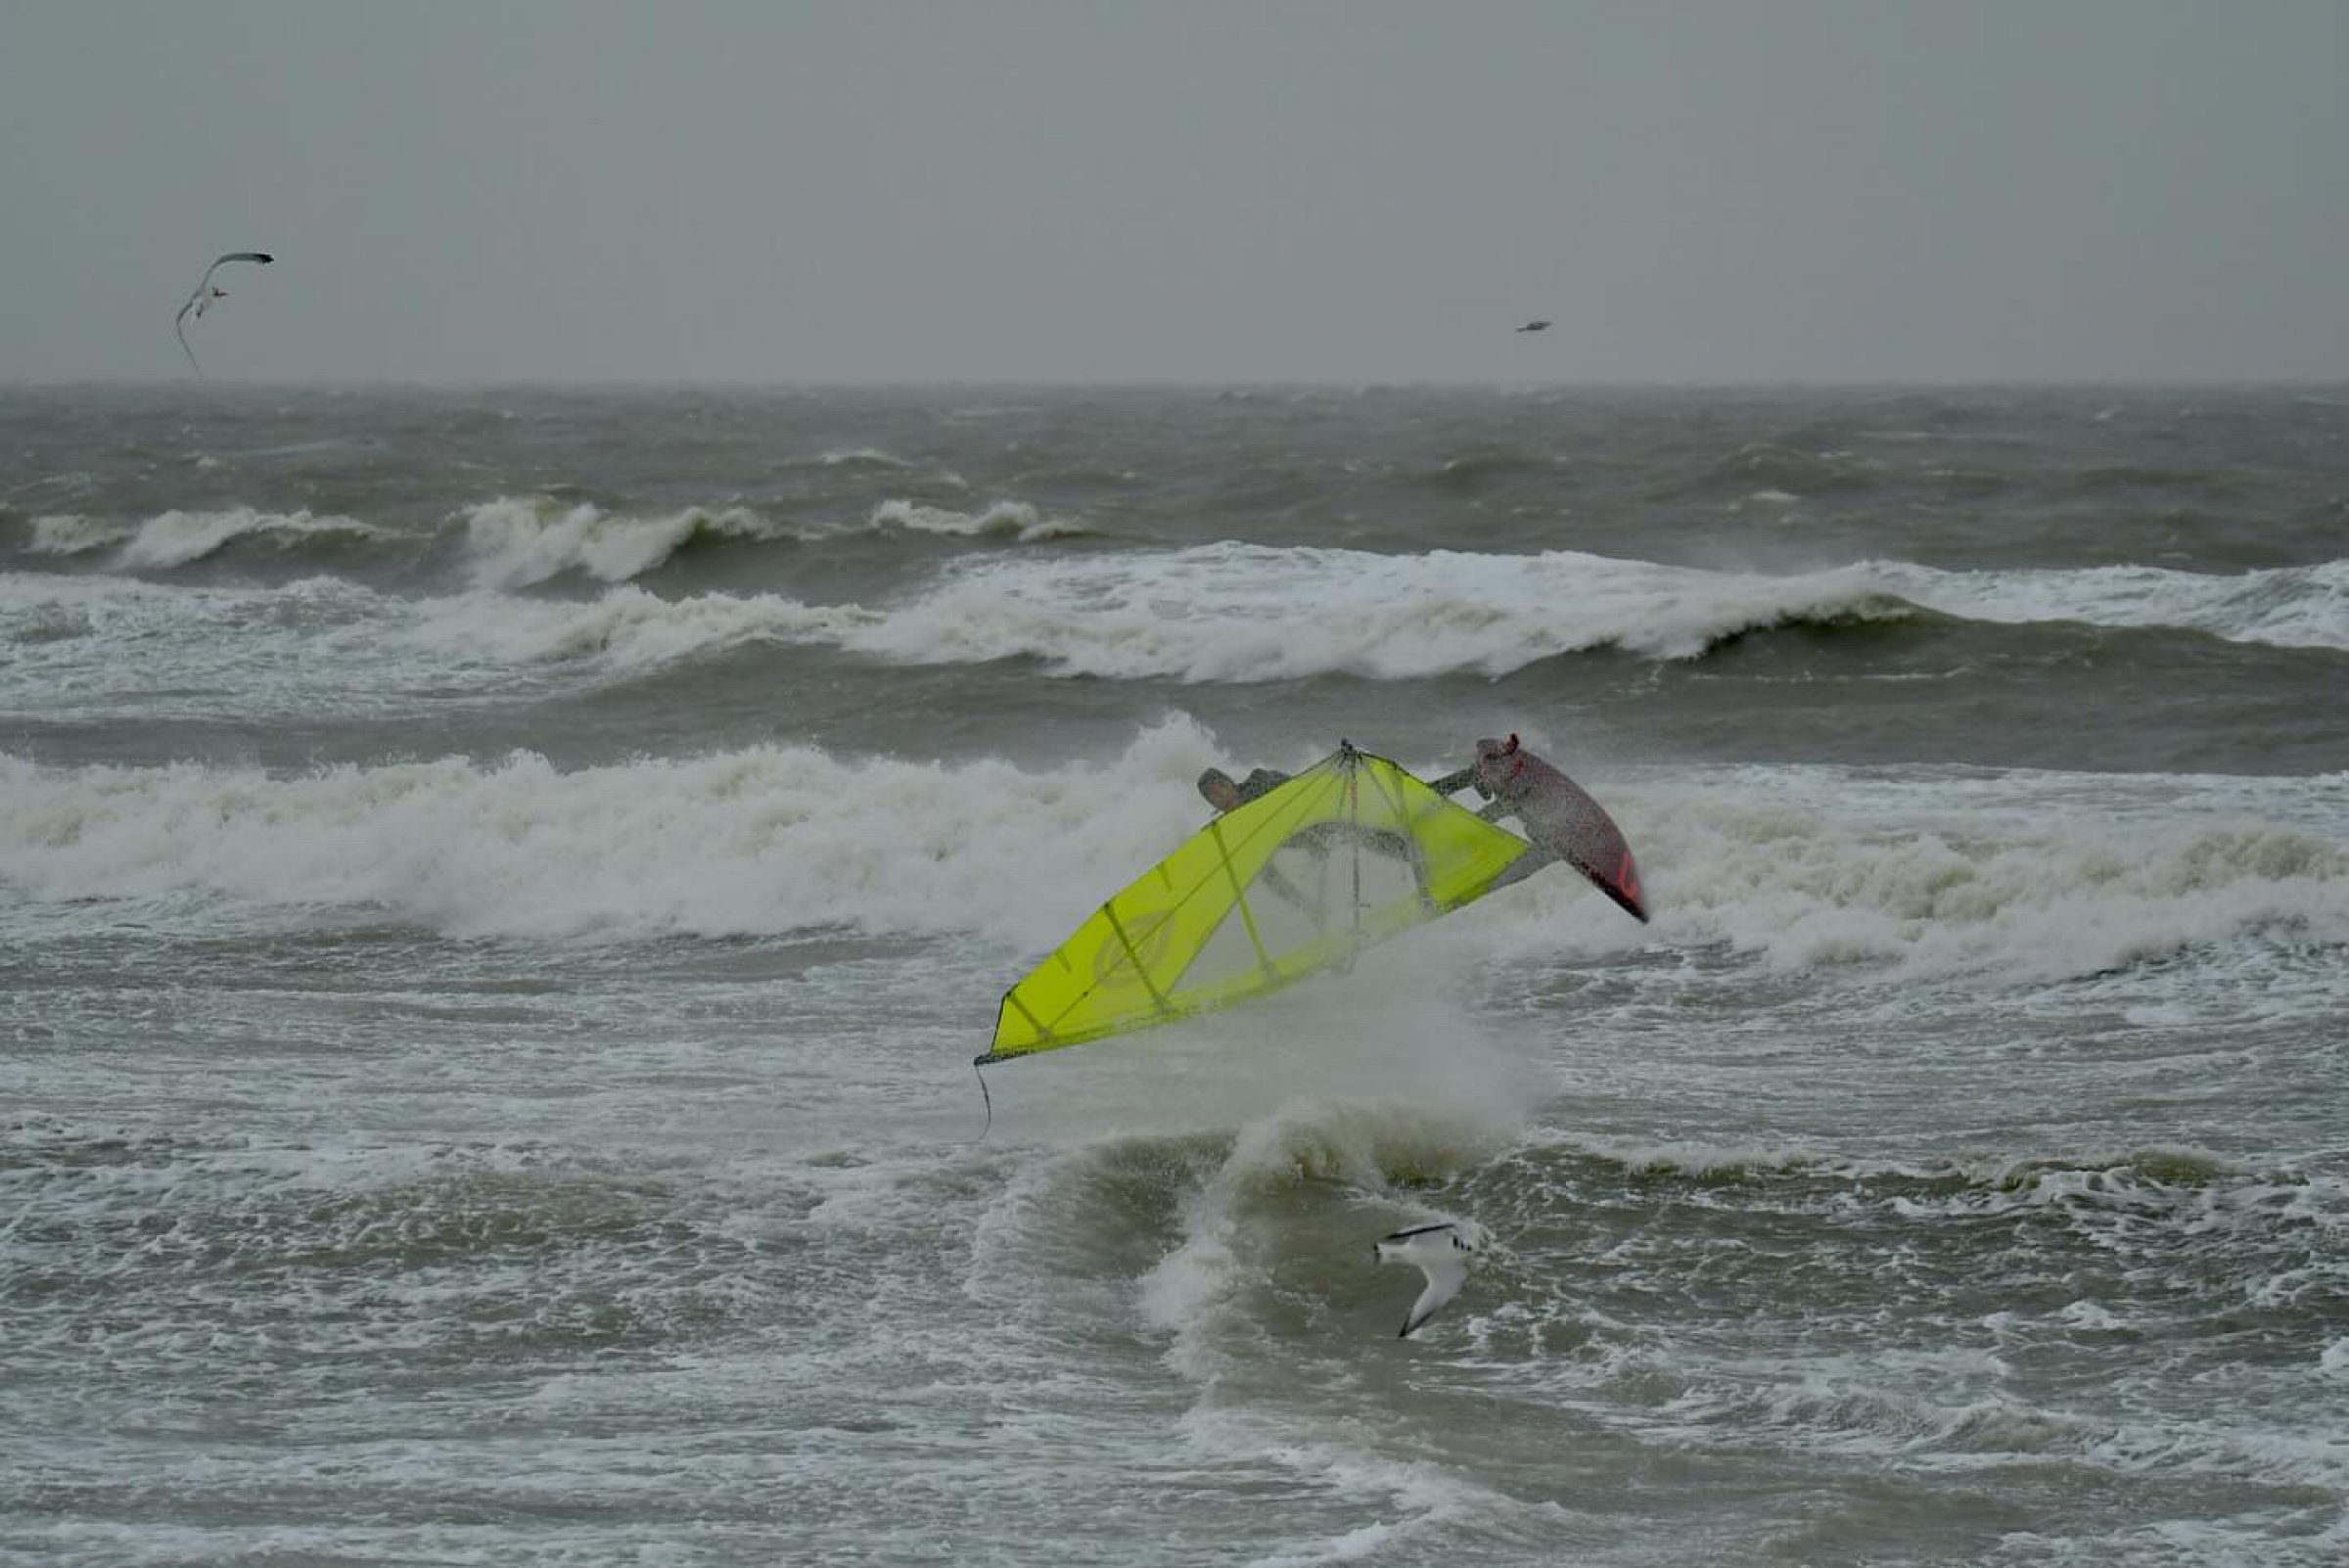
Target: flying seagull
[1441,1253]
[1535,326]
[202,299]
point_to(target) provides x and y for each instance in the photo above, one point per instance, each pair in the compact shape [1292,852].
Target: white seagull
[1441,1253]
[202,299]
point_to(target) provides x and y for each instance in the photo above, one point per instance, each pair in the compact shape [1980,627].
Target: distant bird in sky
[202,299]
[1535,326]
[1441,1252]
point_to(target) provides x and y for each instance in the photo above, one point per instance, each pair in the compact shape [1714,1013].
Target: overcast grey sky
[771,191]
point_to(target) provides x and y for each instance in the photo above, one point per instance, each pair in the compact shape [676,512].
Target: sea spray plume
[204,294]
[1273,1217]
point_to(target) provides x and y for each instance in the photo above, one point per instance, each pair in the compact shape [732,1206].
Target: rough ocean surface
[501,889]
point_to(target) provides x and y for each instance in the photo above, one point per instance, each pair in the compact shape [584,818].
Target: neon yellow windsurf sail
[1298,881]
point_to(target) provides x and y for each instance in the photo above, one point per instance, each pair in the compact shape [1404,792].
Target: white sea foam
[1207,1294]
[2285,606]
[627,630]
[70,534]
[101,645]
[73,482]
[1428,1497]
[861,456]
[2075,897]
[1363,1141]
[32,590]
[765,840]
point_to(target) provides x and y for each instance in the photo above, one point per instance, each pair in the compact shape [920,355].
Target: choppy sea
[500,889]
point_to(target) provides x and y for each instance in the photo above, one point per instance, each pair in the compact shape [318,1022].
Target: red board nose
[1627,882]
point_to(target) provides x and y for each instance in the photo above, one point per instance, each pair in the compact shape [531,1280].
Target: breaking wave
[781,837]
[513,543]
[1009,520]
[516,542]
[175,538]
[1247,613]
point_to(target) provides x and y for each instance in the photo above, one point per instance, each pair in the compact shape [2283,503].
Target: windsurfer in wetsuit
[1218,789]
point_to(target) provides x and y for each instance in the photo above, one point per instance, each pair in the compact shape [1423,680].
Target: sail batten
[1289,884]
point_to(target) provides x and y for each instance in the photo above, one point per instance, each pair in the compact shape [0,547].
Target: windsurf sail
[1344,855]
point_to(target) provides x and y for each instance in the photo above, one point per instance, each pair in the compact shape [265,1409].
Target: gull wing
[262,256]
[1439,1253]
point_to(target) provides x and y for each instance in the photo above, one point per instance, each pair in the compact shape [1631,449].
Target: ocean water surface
[501,890]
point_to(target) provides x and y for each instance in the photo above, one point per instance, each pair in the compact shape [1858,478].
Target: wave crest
[1018,521]
[175,538]
[770,840]
[1248,614]
[513,543]
[1931,895]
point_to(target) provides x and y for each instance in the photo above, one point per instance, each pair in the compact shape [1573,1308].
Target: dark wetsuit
[1264,781]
